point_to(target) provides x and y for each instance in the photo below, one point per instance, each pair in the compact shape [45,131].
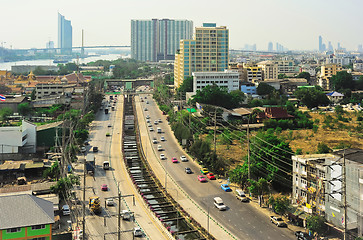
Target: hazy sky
[296,24]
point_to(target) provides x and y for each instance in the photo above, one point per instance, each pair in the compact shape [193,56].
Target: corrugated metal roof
[24,210]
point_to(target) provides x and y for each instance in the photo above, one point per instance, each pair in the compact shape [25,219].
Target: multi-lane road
[241,219]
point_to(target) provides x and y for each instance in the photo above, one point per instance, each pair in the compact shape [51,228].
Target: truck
[95,204]
[90,164]
[106,110]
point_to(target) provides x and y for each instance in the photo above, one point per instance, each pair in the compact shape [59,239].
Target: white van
[218,203]
[65,210]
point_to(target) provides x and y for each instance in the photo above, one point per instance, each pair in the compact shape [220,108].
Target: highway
[241,219]
[110,150]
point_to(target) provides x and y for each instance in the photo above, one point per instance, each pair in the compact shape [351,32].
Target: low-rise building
[358,66]
[46,90]
[289,85]
[276,113]
[287,67]
[337,60]
[269,70]
[21,69]
[327,71]
[13,101]
[18,139]
[248,88]
[335,97]
[25,216]
[252,73]
[228,79]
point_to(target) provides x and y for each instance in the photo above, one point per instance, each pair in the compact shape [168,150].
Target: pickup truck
[278,221]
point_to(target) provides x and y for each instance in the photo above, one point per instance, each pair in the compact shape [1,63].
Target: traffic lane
[177,174]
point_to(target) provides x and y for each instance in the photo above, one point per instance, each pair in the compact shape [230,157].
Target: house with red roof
[273,113]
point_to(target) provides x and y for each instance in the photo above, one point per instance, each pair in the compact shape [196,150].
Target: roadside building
[25,217]
[13,101]
[228,79]
[334,202]
[19,139]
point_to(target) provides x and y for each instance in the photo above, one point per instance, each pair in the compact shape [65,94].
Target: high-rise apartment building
[269,69]
[208,52]
[64,35]
[270,47]
[158,39]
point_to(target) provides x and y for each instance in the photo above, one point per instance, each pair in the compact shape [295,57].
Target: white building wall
[228,79]
[31,131]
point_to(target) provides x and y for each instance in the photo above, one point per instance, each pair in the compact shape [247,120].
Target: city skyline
[296,25]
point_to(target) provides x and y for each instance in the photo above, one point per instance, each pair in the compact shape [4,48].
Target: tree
[282,76]
[305,75]
[186,86]
[342,80]
[24,109]
[5,113]
[64,185]
[323,148]
[315,224]
[239,175]
[264,89]
[311,97]
[279,204]
[4,89]
[52,172]
[359,83]
[218,96]
[32,95]
[238,97]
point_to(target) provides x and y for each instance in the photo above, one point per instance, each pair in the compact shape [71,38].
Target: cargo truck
[90,164]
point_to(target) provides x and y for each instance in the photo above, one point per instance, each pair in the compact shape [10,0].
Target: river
[7,65]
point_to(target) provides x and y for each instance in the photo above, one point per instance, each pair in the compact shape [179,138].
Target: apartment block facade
[228,79]
[269,70]
[252,73]
[327,71]
[207,52]
[158,39]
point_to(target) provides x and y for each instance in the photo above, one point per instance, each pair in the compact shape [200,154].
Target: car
[218,203]
[65,210]
[95,149]
[204,170]
[302,235]
[162,138]
[83,149]
[147,102]
[110,202]
[145,97]
[86,142]
[278,221]
[201,178]
[142,100]
[147,117]
[109,125]
[211,176]
[162,156]
[183,158]
[137,231]
[149,125]
[240,195]
[151,129]
[156,122]
[145,109]
[155,141]
[104,187]
[148,121]
[160,120]
[188,170]
[160,148]
[226,188]
[174,160]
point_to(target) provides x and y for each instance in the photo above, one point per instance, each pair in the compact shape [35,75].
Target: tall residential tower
[207,52]
[64,35]
[158,39]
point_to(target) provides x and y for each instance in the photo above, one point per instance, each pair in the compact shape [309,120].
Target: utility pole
[84,197]
[215,129]
[345,197]
[248,148]
[119,215]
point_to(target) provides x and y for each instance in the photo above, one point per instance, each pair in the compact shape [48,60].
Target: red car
[174,160]
[201,178]
[104,187]
[211,176]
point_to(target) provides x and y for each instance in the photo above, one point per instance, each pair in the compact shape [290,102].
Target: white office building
[227,79]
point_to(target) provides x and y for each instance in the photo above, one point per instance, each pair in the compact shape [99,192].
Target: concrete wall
[31,131]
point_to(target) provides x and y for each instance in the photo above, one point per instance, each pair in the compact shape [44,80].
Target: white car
[183,159]
[162,139]
[162,156]
[110,202]
[138,232]
[83,149]
[159,120]
[156,122]
[160,148]
[151,129]
[149,125]
[218,203]
[147,117]
[155,141]
[65,210]
[148,121]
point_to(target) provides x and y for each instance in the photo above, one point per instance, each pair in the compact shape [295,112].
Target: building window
[36,227]
[13,230]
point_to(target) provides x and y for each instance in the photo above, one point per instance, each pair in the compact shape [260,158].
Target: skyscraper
[208,52]
[330,47]
[64,35]
[158,39]
[270,47]
[320,44]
